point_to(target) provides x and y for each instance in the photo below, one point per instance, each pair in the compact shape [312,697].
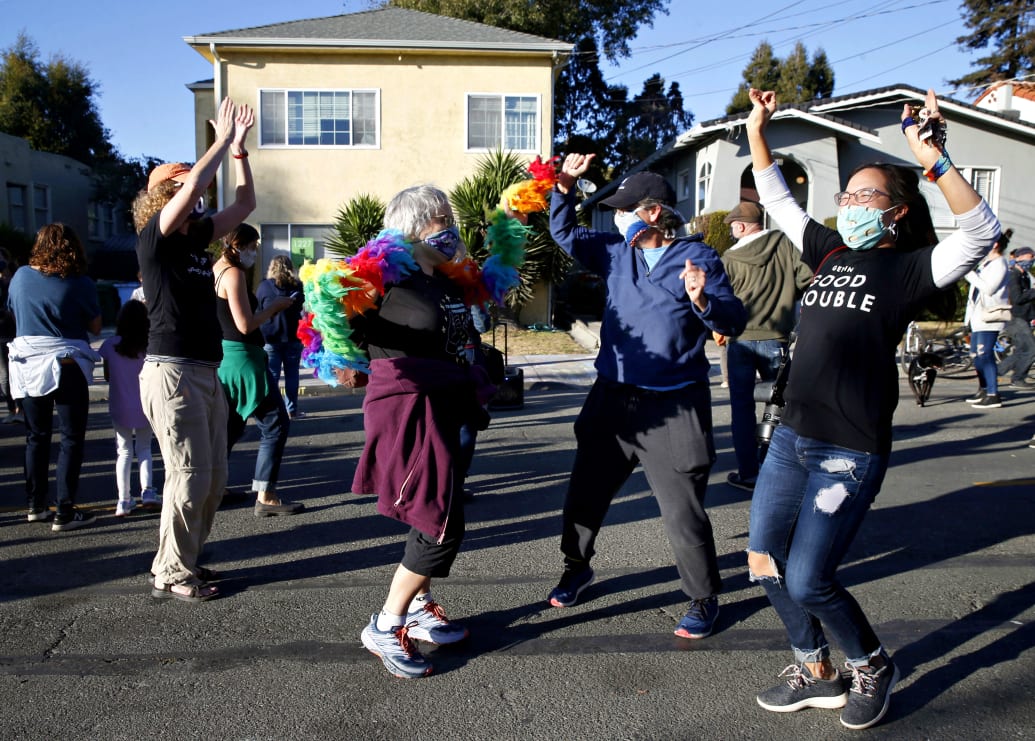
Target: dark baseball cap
[747,212]
[640,187]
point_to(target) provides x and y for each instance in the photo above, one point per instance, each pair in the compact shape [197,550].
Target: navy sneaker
[802,690]
[74,521]
[699,619]
[571,585]
[869,695]
[737,481]
[396,650]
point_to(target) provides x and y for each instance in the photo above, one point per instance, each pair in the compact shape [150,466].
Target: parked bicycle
[953,350]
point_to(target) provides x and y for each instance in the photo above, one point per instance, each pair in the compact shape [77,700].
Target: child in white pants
[123,359]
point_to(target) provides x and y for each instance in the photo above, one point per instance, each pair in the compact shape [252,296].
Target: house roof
[819,112]
[1021,89]
[394,28]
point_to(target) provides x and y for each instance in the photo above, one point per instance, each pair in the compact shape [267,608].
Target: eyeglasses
[445,219]
[861,196]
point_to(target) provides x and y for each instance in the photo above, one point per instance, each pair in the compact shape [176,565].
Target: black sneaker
[568,589]
[802,690]
[869,695]
[736,480]
[992,401]
[77,520]
[980,396]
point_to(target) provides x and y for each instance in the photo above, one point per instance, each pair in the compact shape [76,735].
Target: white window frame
[503,143]
[21,207]
[352,129]
[705,176]
[684,185]
[941,214]
[40,215]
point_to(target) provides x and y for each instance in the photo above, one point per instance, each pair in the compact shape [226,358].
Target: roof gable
[385,28]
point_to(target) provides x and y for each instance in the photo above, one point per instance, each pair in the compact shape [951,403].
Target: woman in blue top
[55,306]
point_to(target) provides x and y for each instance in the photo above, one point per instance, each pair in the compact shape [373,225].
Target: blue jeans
[288,355]
[982,349]
[809,501]
[71,399]
[274,425]
[745,358]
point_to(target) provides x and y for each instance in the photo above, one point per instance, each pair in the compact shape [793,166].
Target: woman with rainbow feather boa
[399,310]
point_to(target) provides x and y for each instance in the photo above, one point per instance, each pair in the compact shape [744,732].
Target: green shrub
[716,233]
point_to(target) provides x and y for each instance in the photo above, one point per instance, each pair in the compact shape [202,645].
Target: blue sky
[135,50]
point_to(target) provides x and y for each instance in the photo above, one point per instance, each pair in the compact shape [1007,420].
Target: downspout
[217,87]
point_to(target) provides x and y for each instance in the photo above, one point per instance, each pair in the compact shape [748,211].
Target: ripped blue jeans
[809,501]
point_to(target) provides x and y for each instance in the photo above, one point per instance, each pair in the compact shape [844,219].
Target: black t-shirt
[843,385]
[422,316]
[181,299]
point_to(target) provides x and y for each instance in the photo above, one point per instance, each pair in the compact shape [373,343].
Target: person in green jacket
[768,276]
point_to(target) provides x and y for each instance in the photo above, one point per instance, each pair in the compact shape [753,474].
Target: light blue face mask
[861,227]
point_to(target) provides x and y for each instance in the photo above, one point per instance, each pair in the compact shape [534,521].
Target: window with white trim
[704,187]
[40,205]
[503,122]
[684,183]
[319,118]
[297,241]
[100,220]
[985,181]
[17,214]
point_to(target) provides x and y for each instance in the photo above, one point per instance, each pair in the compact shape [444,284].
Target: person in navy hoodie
[650,404]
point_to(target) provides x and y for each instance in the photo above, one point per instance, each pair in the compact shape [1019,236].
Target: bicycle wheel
[912,344]
[956,360]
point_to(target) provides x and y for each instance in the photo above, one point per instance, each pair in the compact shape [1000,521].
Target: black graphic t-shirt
[843,385]
[181,297]
[422,316]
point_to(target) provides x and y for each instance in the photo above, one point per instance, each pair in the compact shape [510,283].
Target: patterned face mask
[446,242]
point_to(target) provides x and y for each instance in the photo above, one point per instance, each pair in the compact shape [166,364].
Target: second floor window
[503,121]
[704,187]
[318,118]
[40,205]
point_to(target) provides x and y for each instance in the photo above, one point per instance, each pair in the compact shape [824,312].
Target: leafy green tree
[1007,29]
[51,105]
[795,79]
[647,122]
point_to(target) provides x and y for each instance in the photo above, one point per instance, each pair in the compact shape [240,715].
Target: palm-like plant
[357,222]
[476,196]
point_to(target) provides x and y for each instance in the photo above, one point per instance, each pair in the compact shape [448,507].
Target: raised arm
[772,190]
[244,194]
[978,226]
[176,211]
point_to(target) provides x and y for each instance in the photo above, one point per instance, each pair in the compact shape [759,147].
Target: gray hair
[410,210]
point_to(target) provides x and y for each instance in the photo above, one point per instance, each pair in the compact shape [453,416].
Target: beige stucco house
[41,187]
[370,103]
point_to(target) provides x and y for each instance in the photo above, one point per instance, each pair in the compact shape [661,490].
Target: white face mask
[247,259]
[624,220]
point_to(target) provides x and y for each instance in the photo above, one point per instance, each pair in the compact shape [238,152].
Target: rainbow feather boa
[338,290]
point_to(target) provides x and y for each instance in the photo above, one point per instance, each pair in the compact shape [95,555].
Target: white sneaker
[429,624]
[124,507]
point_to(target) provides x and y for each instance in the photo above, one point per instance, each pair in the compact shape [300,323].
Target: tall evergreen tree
[794,78]
[1007,28]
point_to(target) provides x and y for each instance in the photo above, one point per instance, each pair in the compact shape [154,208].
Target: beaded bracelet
[939,168]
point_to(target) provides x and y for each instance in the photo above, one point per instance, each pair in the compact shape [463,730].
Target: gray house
[818,144]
